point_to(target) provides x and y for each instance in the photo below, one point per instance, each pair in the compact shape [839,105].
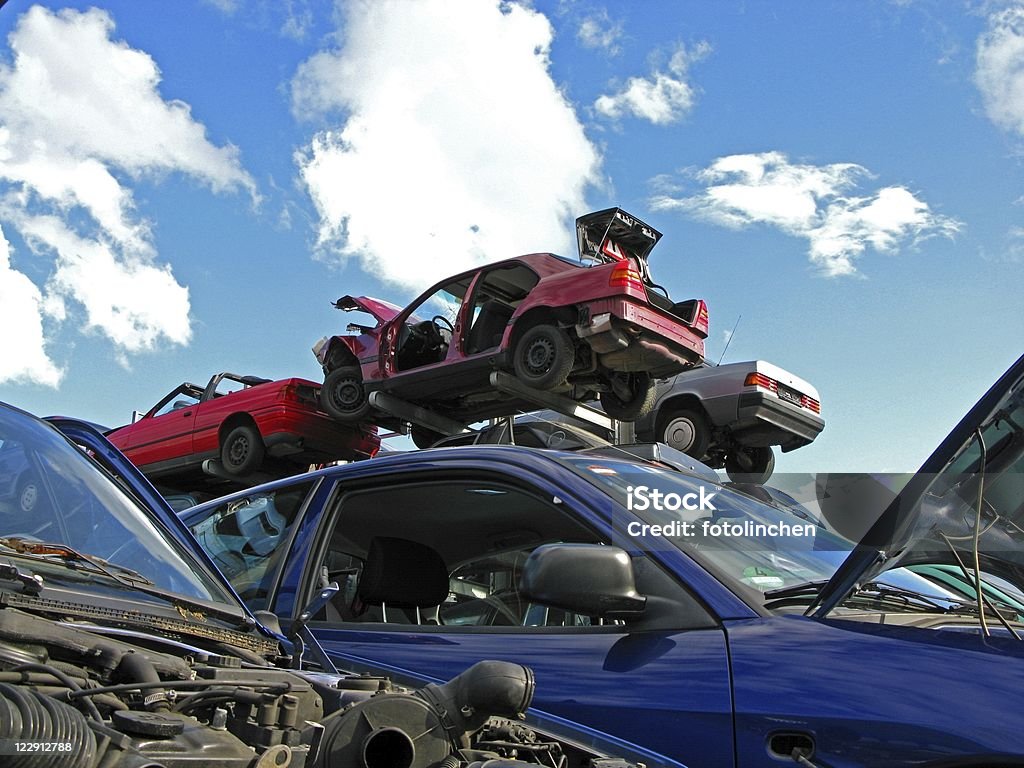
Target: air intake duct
[401,730]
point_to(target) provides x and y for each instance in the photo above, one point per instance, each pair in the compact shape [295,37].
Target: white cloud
[664,97]
[811,202]
[23,356]
[457,147]
[599,32]
[298,20]
[225,6]
[999,71]
[81,117]
[128,298]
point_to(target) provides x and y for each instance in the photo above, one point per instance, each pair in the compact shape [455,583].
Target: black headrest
[403,573]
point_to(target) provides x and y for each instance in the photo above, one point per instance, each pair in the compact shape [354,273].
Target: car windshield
[51,492]
[752,547]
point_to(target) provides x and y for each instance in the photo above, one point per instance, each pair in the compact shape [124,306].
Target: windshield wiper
[873,591]
[71,558]
[32,583]
[63,551]
[807,588]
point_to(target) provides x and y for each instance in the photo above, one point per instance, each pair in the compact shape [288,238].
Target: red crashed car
[240,421]
[594,328]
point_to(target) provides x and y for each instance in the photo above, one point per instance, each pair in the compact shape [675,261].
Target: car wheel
[343,395]
[28,495]
[685,430]
[423,437]
[543,357]
[750,465]
[631,397]
[242,451]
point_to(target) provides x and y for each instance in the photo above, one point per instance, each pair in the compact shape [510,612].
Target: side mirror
[589,579]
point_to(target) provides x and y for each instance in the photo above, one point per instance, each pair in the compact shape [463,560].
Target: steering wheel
[441,320]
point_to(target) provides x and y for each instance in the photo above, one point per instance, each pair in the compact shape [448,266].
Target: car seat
[489,326]
[401,576]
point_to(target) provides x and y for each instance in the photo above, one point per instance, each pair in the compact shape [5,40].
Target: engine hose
[27,715]
[136,668]
[89,706]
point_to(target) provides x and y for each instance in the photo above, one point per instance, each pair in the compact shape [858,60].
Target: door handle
[186,414]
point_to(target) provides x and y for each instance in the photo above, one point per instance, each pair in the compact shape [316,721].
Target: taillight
[700,320]
[810,403]
[625,275]
[299,393]
[760,380]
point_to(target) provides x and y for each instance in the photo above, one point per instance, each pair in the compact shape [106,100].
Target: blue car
[662,607]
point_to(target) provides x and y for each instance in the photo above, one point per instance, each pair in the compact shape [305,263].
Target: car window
[426,334]
[245,536]
[443,553]
[226,386]
[178,402]
[485,592]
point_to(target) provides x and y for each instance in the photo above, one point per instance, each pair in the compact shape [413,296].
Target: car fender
[339,351]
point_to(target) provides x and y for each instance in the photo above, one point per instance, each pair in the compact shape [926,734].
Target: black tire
[750,465]
[423,437]
[242,451]
[543,357]
[639,402]
[343,395]
[686,430]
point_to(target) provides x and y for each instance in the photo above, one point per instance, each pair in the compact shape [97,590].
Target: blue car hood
[933,519]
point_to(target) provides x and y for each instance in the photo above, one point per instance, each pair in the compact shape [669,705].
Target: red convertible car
[241,421]
[596,328]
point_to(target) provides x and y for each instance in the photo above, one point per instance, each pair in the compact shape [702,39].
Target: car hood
[382,310]
[934,517]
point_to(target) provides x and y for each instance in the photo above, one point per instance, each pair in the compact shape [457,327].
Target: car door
[219,400]
[164,435]
[428,565]
[410,344]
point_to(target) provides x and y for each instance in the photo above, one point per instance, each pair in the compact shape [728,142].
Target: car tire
[343,396]
[242,451]
[543,357]
[686,430]
[750,465]
[639,403]
[423,437]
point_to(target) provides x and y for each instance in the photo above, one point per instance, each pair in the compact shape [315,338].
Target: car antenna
[731,335]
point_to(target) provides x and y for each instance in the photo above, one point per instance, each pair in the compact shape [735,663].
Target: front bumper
[629,335]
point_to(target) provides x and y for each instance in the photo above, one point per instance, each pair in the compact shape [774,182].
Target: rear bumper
[766,420]
[629,335]
[287,430]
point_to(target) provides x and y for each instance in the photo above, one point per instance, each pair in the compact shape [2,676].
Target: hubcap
[539,356]
[679,434]
[29,495]
[239,450]
[348,394]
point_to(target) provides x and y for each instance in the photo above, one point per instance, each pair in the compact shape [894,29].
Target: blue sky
[185,187]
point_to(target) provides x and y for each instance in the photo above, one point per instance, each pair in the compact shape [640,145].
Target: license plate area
[789,395]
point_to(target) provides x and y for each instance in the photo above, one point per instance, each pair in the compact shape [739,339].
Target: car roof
[465,456]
